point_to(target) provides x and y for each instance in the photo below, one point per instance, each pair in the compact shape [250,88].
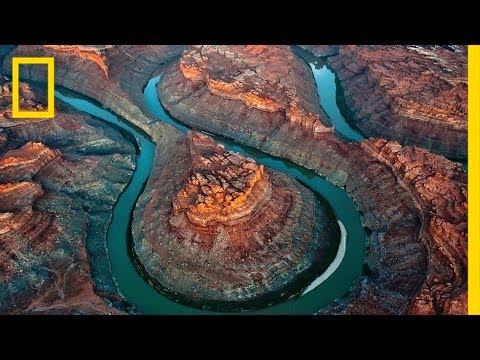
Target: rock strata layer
[412,94]
[415,226]
[222,232]
[59,180]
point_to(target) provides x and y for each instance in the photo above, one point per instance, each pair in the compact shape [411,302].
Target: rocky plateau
[221,232]
[416,95]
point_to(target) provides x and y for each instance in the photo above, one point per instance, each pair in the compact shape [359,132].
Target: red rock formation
[403,232]
[27,100]
[236,235]
[25,162]
[415,95]
[272,88]
[224,187]
[89,53]
[42,194]
[83,69]
[396,258]
[440,192]
[14,197]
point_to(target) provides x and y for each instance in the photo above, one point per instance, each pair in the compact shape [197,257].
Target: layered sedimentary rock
[438,187]
[402,232]
[220,231]
[27,100]
[398,256]
[83,53]
[276,89]
[412,94]
[59,179]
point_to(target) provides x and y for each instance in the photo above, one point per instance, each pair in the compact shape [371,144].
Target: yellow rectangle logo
[50,112]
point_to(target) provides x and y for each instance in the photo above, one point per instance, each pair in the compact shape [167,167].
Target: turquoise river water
[147,300]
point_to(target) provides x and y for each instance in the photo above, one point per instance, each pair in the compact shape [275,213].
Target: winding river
[335,281]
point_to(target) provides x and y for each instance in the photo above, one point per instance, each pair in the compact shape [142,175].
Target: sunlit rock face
[90,53]
[439,188]
[274,84]
[224,186]
[416,95]
[411,202]
[27,100]
[112,75]
[223,232]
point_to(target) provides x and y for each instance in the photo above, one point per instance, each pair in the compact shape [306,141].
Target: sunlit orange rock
[115,76]
[272,88]
[25,162]
[440,191]
[27,100]
[411,202]
[223,187]
[222,232]
[90,53]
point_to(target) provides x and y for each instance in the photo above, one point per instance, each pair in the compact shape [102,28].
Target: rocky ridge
[412,94]
[398,250]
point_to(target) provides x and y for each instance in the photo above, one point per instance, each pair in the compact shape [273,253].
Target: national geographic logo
[50,112]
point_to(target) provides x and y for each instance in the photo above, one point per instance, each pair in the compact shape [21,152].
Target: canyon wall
[416,95]
[59,180]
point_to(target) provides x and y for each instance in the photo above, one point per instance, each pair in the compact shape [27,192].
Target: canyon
[403,231]
[412,202]
[416,95]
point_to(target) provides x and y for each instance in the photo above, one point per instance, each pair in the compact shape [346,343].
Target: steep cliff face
[399,259]
[221,232]
[412,94]
[59,179]
[276,88]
